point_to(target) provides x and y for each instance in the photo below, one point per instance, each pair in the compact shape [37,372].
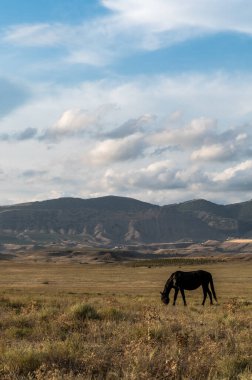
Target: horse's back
[201,271]
[194,273]
[191,280]
[205,275]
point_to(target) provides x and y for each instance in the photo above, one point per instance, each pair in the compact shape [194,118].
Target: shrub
[233,367]
[19,332]
[21,362]
[114,314]
[82,312]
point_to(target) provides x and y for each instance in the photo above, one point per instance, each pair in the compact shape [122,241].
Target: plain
[77,321]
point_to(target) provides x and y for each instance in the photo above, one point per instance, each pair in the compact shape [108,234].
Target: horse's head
[165,298]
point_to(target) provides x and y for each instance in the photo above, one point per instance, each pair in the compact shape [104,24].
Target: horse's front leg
[183,295]
[175,296]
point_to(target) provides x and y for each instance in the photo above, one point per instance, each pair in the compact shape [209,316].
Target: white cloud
[215,152]
[114,103]
[197,131]
[160,176]
[71,122]
[242,137]
[91,58]
[157,182]
[123,149]
[228,145]
[113,125]
[159,134]
[74,120]
[164,22]
[230,173]
[132,126]
[31,35]
[78,122]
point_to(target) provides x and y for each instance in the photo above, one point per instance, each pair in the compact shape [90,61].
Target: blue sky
[29,11]
[143,98]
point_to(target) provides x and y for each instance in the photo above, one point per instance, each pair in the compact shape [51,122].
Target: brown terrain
[210,250]
[112,229]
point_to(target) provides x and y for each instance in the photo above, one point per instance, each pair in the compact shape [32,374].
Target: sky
[150,99]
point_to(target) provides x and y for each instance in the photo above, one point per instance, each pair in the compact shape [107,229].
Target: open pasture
[72,321]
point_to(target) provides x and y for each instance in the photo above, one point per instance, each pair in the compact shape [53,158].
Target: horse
[181,281]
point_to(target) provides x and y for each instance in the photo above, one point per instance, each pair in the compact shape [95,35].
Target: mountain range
[115,221]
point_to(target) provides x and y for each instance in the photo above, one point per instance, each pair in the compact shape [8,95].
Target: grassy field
[71,321]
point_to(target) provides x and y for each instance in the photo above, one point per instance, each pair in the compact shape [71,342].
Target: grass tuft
[83,312]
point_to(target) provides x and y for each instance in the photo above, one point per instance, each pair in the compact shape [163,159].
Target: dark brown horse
[181,281]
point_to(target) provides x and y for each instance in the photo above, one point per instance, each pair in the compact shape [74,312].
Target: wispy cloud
[164,22]
[86,43]
[132,25]
[36,35]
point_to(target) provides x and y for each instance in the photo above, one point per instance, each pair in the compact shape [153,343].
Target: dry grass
[107,322]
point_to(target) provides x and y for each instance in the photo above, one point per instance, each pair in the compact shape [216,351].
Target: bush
[82,312]
[113,314]
[22,362]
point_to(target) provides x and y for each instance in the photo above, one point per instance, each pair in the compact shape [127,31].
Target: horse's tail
[212,287]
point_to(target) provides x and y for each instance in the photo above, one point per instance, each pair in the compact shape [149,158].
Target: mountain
[112,221]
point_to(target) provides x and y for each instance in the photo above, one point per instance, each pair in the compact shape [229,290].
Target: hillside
[112,221]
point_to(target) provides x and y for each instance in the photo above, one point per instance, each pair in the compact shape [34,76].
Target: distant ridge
[113,220]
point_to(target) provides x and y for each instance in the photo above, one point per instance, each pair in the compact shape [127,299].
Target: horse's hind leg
[205,294]
[210,295]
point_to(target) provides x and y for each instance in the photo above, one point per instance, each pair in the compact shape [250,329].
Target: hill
[115,221]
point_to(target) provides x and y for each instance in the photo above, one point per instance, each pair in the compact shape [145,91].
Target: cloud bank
[74,123]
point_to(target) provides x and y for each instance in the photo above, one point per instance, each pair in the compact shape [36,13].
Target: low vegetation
[175,261]
[107,322]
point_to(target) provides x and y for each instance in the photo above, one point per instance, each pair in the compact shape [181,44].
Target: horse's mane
[169,281]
